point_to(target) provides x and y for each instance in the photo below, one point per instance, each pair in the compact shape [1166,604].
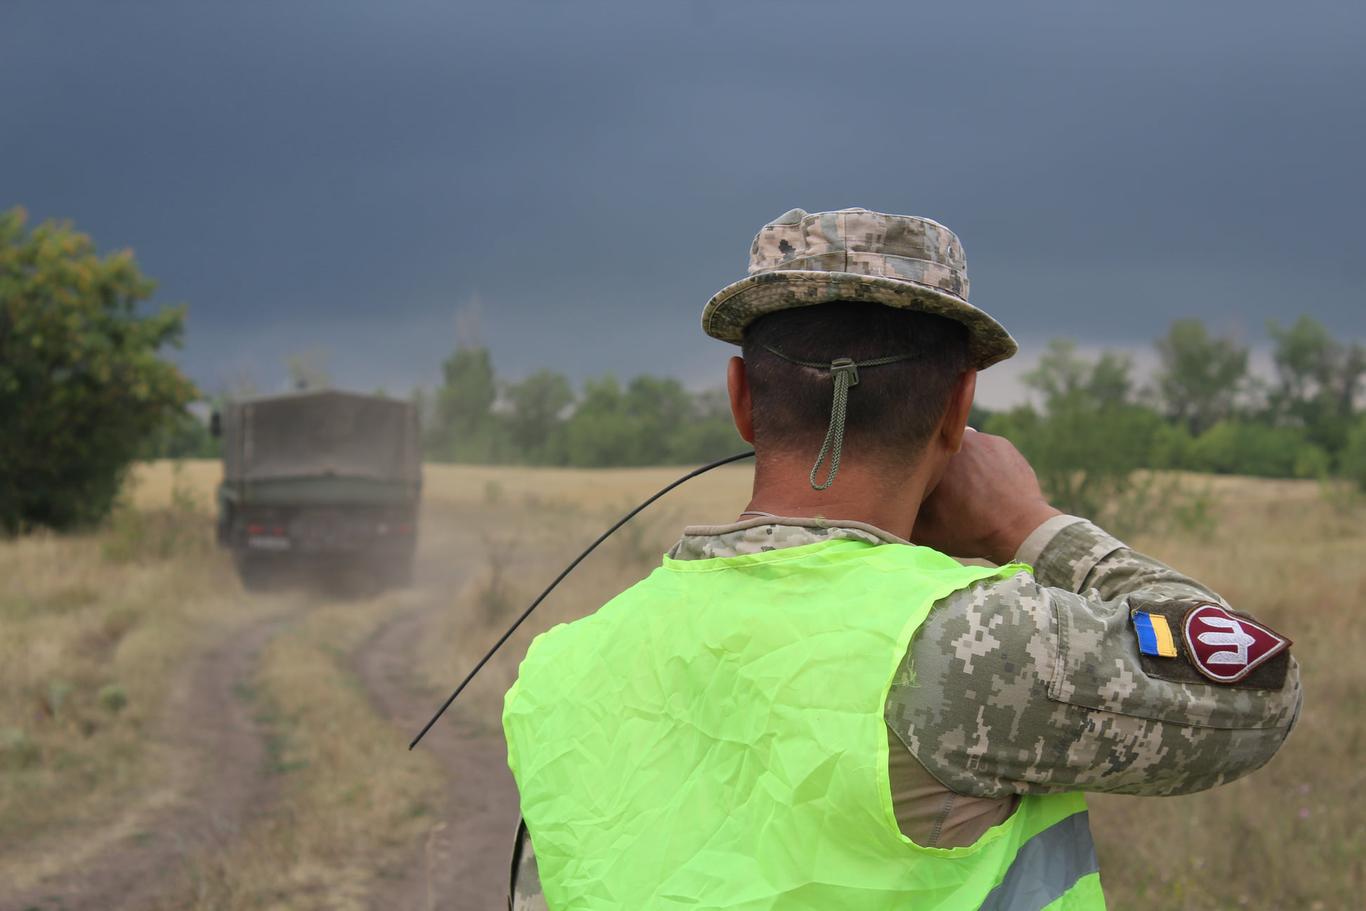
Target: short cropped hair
[893,409]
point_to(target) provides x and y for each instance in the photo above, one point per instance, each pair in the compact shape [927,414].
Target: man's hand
[986,504]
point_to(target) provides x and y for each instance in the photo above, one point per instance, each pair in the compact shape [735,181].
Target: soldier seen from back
[814,706]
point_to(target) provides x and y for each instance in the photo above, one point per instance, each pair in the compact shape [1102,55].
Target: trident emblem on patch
[1226,648]
[1236,637]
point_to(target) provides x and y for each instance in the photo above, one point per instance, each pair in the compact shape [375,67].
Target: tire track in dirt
[463,861]
[218,784]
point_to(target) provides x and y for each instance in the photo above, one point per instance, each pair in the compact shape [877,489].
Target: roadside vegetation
[96,630]
[102,630]
[82,388]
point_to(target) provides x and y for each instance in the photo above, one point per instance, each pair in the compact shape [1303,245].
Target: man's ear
[741,407]
[951,428]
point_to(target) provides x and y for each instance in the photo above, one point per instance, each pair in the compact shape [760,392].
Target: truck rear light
[279,530]
[405,528]
[255,529]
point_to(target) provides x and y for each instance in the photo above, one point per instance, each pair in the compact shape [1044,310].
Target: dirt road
[214,754]
[216,788]
[463,862]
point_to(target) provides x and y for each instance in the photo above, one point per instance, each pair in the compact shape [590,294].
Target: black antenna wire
[560,578]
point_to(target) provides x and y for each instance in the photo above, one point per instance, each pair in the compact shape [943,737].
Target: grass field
[100,631]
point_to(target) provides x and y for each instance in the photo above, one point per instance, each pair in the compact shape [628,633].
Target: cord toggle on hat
[844,371]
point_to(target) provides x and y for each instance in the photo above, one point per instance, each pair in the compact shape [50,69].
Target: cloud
[596,170]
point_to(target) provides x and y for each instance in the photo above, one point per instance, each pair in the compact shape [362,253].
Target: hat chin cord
[844,371]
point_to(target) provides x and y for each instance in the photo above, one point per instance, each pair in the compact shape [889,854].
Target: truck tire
[223,528]
[257,572]
[400,574]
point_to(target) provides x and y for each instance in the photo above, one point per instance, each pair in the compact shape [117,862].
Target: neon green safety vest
[713,738]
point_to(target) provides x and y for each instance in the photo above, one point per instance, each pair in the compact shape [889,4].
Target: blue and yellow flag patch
[1154,635]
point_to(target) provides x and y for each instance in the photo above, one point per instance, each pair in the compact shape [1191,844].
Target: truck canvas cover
[327,433]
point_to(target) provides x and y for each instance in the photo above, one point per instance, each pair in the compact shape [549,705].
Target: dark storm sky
[343,177]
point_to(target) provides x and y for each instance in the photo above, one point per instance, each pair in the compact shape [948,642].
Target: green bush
[1085,456]
[183,436]
[112,697]
[1260,450]
[1312,462]
[82,388]
[181,529]
[18,750]
[1171,447]
[1089,437]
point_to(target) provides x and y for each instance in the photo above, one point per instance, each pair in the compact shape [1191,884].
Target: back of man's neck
[877,498]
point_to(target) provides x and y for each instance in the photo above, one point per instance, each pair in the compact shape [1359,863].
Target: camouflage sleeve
[1035,684]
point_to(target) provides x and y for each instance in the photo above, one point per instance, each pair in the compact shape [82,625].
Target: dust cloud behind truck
[320,481]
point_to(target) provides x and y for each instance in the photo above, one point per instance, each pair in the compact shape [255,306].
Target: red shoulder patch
[1225,647]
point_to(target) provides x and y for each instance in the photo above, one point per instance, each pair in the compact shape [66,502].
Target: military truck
[324,481]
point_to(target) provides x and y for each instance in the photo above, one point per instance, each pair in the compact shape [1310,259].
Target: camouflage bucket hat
[801,259]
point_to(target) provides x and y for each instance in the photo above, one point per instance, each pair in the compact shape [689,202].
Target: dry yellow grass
[1291,552]
[481,486]
[1290,836]
[99,632]
[153,485]
[96,630]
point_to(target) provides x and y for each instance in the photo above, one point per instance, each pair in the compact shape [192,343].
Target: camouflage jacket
[1032,684]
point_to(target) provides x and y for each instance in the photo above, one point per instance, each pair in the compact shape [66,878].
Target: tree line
[1204,410]
[1091,425]
[542,420]
[85,390]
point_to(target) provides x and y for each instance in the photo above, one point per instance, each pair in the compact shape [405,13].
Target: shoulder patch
[1205,643]
[1226,648]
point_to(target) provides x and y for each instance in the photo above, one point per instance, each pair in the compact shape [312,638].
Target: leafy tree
[1200,375]
[1089,437]
[649,421]
[184,436]
[708,433]
[464,427]
[1171,447]
[535,421]
[1318,380]
[657,409]
[653,421]
[82,388]
[600,432]
[1065,379]
[1304,354]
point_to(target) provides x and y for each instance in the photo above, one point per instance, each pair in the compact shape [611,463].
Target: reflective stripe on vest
[713,738]
[1046,866]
